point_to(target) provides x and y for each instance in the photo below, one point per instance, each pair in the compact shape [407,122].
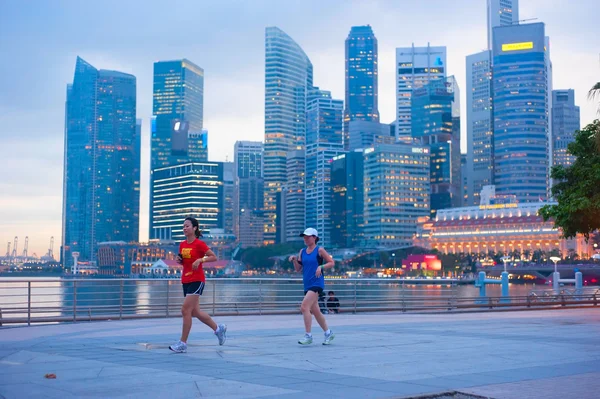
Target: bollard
[481,282]
[555,281]
[578,281]
[504,283]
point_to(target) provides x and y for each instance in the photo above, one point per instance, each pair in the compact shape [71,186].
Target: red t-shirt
[191,252]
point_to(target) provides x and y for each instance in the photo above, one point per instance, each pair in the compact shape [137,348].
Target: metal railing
[74,300]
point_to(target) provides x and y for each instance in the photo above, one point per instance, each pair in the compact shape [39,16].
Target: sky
[40,40]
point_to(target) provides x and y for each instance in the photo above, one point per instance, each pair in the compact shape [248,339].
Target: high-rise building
[361,78]
[176,130]
[228,197]
[465,180]
[565,122]
[177,109]
[500,13]
[323,142]
[347,200]
[415,67]
[248,194]
[288,77]
[193,189]
[365,134]
[480,124]
[436,124]
[102,161]
[521,93]
[480,165]
[396,193]
[198,146]
[293,196]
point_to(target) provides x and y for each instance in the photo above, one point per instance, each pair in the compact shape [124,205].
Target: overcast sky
[39,41]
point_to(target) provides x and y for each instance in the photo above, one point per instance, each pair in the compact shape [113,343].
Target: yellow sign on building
[517,46]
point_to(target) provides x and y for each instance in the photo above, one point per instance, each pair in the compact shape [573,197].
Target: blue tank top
[310,262]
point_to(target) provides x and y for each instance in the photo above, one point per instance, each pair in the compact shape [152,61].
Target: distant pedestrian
[333,304]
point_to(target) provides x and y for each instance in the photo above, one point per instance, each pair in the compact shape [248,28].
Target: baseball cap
[310,232]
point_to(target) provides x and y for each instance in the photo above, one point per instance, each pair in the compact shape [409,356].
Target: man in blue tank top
[310,261]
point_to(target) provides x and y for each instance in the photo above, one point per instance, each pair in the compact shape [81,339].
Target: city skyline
[32,126]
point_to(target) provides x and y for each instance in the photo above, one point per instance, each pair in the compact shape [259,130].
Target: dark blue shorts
[194,288]
[318,290]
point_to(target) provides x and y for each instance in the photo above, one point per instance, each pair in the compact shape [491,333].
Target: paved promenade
[510,355]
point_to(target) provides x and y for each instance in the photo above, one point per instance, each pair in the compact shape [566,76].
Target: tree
[578,187]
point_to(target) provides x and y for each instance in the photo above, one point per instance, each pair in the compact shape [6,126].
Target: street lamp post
[555,259]
[504,260]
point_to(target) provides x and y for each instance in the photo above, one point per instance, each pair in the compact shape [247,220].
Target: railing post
[355,288]
[74,300]
[491,303]
[403,291]
[260,297]
[595,300]
[214,284]
[29,303]
[168,285]
[121,301]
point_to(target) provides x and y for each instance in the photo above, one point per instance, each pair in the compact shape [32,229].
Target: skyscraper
[500,13]
[288,76]
[177,108]
[365,134]
[292,199]
[102,161]
[480,126]
[323,143]
[565,122]
[248,194]
[192,189]
[436,124]
[228,197]
[347,200]
[361,78]
[176,131]
[480,165]
[521,112]
[396,193]
[415,67]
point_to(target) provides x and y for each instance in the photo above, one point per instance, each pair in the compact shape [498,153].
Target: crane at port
[14,251]
[25,248]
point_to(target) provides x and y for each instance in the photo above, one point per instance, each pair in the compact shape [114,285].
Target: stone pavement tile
[404,388]
[37,376]
[49,367]
[221,389]
[352,381]
[328,389]
[584,386]
[262,379]
[19,357]
[29,390]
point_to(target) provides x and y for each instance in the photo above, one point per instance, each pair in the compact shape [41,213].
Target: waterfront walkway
[548,354]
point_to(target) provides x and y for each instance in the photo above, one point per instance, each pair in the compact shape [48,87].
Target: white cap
[310,232]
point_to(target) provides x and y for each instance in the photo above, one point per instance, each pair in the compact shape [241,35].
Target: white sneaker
[306,340]
[179,347]
[328,338]
[221,333]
